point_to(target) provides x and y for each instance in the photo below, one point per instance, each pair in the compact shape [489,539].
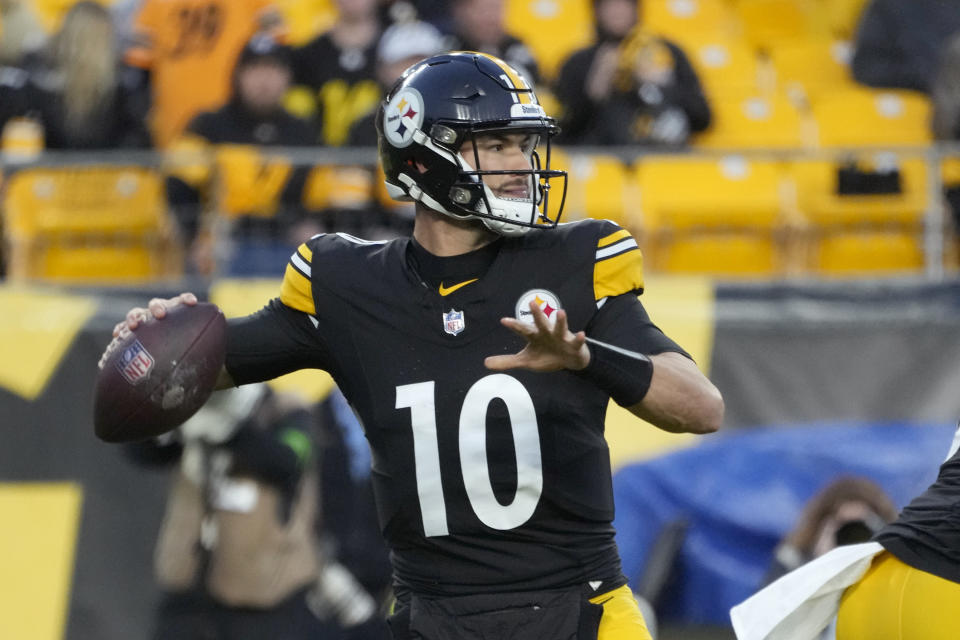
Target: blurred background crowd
[734,137]
[797,161]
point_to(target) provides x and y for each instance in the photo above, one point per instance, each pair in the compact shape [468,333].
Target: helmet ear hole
[415,165]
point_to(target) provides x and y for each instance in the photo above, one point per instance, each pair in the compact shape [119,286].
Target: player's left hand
[550,347]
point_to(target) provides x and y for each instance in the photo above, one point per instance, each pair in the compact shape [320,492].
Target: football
[160,374]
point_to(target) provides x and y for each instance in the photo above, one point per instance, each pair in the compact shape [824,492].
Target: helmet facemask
[474,197]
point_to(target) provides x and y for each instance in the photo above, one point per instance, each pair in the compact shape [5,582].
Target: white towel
[801,604]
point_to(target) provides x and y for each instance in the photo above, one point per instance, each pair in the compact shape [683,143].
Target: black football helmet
[444,101]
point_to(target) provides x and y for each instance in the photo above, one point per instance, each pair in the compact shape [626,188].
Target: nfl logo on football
[135,363]
[453,322]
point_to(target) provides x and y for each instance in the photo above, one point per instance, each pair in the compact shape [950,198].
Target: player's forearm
[680,398]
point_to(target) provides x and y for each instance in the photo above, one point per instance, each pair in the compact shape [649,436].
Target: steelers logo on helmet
[403,116]
[548,303]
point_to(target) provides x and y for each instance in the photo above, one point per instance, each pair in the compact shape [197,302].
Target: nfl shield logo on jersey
[453,322]
[135,363]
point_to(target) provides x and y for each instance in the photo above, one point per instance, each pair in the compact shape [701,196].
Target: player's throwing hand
[549,347]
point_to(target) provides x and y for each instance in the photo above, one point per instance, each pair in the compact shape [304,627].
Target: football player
[904,584]
[480,355]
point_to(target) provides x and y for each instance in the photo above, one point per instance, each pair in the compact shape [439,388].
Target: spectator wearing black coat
[77,90]
[899,42]
[629,87]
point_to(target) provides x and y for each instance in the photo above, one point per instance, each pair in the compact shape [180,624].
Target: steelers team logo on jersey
[402,117]
[547,302]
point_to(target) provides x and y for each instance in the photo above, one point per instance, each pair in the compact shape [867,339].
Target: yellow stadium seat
[552,29]
[688,21]
[724,66]
[730,192]
[729,253]
[305,19]
[805,70]
[868,253]
[754,121]
[842,16]
[860,116]
[821,205]
[768,24]
[951,171]
[96,224]
[725,216]
[597,187]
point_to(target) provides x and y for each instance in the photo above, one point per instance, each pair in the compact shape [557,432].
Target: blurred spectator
[652,96]
[478,25]
[848,510]
[334,73]
[189,47]
[254,115]
[76,89]
[946,112]
[899,42]
[237,553]
[350,528]
[20,31]
[585,80]
[401,46]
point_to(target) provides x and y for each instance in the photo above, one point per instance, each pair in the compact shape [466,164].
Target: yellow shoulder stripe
[296,291]
[305,252]
[618,274]
[613,237]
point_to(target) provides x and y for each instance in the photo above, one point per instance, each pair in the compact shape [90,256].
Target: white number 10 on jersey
[419,398]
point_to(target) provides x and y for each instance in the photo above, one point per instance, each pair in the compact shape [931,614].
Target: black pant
[198,617]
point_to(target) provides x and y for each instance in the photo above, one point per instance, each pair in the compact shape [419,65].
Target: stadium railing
[756,213]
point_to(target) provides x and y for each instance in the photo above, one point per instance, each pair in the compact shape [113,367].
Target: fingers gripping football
[156,308]
[550,347]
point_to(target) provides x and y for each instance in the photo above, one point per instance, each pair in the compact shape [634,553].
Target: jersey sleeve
[272,342]
[296,291]
[618,266]
[622,321]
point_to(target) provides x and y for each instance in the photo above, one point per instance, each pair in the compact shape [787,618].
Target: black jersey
[339,85]
[485,481]
[926,536]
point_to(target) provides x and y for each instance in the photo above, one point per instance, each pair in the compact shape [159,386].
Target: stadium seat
[754,121]
[680,192]
[821,204]
[951,171]
[807,69]
[768,24]
[728,253]
[553,29]
[96,224]
[597,187]
[305,19]
[860,116]
[725,66]
[725,216]
[842,16]
[688,21]
[867,252]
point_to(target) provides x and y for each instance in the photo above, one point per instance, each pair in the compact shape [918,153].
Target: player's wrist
[625,378]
